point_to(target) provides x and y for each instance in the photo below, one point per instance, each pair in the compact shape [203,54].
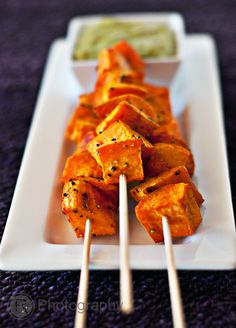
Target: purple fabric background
[27,29]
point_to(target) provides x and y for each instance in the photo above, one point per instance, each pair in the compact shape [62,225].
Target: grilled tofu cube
[116,76]
[81,201]
[123,157]
[106,108]
[114,89]
[83,112]
[176,175]
[177,203]
[110,191]
[110,60]
[132,116]
[82,145]
[81,165]
[171,129]
[166,156]
[116,132]
[166,138]
[160,101]
[118,89]
[82,127]
[130,54]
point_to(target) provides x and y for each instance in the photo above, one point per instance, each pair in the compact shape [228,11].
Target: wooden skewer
[175,295]
[126,294]
[81,313]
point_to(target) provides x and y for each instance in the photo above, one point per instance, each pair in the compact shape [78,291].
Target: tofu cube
[123,157]
[132,116]
[177,203]
[171,128]
[81,201]
[166,156]
[106,108]
[159,98]
[118,131]
[175,175]
[81,165]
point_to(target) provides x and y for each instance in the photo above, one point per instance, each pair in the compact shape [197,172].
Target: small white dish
[162,69]
[38,237]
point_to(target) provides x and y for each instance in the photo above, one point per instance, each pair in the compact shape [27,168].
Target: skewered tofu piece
[132,57]
[123,157]
[83,127]
[176,175]
[159,98]
[166,156]
[113,90]
[177,203]
[106,108]
[110,191]
[171,128]
[110,60]
[118,89]
[81,145]
[84,113]
[132,116]
[120,57]
[169,139]
[83,200]
[116,132]
[81,165]
[168,133]
[117,76]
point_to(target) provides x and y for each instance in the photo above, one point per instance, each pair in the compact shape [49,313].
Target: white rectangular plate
[38,237]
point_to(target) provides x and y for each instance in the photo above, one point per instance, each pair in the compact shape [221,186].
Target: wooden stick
[175,296]
[126,294]
[81,305]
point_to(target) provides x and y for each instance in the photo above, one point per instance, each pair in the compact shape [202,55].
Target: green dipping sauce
[149,39]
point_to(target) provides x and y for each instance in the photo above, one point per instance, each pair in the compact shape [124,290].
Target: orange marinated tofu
[123,157]
[84,110]
[131,55]
[159,98]
[83,127]
[87,100]
[110,191]
[109,60]
[174,201]
[167,138]
[119,89]
[82,145]
[118,76]
[171,129]
[111,90]
[81,201]
[175,175]
[166,156]
[132,116]
[118,131]
[81,165]
[130,77]
[81,113]
[106,108]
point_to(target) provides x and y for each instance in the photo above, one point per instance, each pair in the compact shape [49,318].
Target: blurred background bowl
[158,70]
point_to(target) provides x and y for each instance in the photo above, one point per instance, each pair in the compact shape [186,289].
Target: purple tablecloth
[27,29]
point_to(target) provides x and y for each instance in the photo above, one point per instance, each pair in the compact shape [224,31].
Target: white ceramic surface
[162,68]
[38,237]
